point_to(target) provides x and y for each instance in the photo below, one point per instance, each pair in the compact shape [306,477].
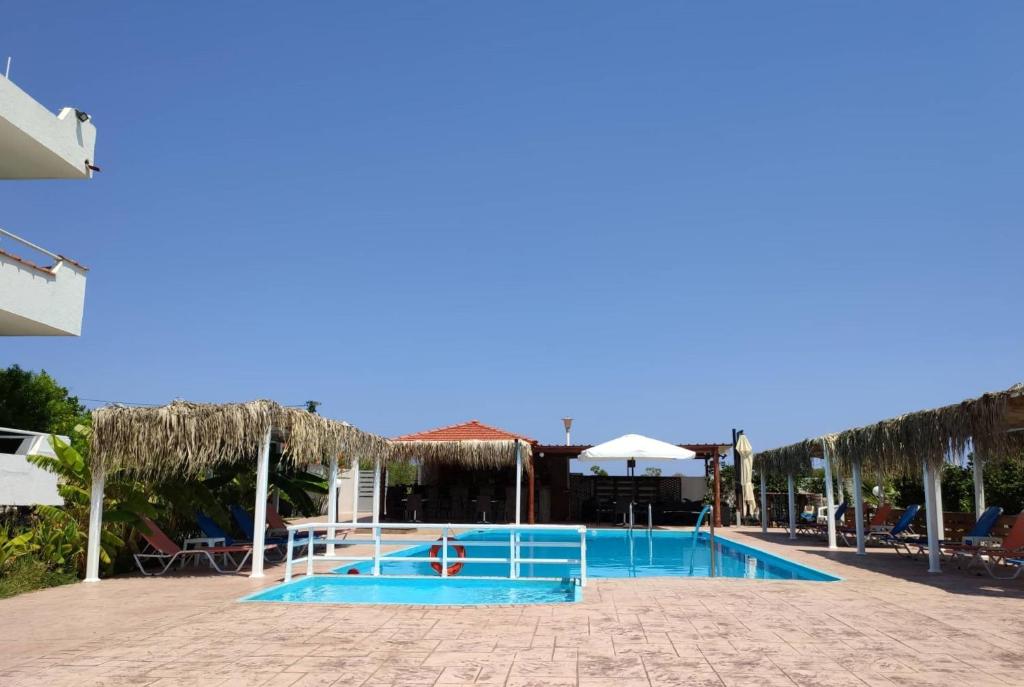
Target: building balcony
[36,144]
[38,300]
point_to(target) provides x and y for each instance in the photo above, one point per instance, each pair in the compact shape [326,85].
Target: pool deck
[887,623]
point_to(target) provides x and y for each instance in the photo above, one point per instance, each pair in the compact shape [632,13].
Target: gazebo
[185,439]
[474,445]
[991,426]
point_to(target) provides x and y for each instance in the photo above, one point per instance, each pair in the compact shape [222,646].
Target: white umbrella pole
[932,522]
[92,560]
[764,504]
[519,483]
[260,516]
[355,490]
[830,500]
[791,496]
[979,488]
[858,504]
[332,501]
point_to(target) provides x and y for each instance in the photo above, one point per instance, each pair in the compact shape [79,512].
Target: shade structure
[745,459]
[636,447]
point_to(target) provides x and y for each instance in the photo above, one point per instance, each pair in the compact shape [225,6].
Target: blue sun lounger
[248,527]
[211,529]
[900,531]
[982,528]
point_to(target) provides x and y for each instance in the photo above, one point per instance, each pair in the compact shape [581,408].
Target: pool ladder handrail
[707,510]
[650,517]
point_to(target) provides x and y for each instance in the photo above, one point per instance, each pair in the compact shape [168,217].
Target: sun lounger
[918,546]
[1007,553]
[248,526]
[278,525]
[901,530]
[822,529]
[876,524]
[162,550]
[211,529]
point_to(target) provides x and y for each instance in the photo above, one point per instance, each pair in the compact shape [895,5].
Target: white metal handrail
[29,244]
[324,533]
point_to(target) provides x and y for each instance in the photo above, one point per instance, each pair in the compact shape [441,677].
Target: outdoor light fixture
[82,116]
[567,422]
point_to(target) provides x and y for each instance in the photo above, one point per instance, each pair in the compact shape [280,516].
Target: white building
[42,293]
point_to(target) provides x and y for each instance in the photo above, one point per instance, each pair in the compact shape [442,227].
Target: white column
[791,494]
[829,499]
[937,497]
[92,560]
[332,500]
[764,504]
[858,504]
[260,516]
[376,491]
[519,483]
[355,490]
[931,520]
[979,488]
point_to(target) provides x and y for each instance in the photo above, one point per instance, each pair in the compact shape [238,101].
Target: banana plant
[62,533]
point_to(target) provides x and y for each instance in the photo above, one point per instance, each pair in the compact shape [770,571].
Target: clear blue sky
[665,218]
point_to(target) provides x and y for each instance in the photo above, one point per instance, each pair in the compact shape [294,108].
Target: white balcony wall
[36,144]
[40,301]
[21,483]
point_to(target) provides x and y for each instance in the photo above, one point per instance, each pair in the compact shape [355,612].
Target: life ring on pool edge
[453,568]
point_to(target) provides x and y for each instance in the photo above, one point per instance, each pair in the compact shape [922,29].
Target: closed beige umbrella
[745,456]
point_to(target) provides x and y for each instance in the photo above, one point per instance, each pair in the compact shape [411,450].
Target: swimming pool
[612,553]
[425,591]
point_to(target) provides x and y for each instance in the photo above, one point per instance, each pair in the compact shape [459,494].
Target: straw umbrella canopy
[989,426]
[184,438]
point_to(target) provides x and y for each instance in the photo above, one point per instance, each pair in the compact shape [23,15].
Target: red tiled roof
[474,430]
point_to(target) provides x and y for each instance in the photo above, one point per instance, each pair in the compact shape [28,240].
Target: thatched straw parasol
[898,445]
[187,438]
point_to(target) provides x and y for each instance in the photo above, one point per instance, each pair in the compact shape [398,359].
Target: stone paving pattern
[887,623]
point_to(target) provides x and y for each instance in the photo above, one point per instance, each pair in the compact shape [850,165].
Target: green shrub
[25,574]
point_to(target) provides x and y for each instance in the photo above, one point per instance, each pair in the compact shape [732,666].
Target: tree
[598,470]
[36,402]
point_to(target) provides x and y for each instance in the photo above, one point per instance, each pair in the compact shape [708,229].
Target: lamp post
[567,422]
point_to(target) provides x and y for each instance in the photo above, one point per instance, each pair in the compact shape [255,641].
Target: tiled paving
[887,623]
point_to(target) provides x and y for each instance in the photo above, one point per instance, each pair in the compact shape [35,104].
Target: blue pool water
[611,553]
[433,591]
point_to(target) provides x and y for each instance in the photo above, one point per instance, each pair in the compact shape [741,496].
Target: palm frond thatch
[471,454]
[899,445]
[184,438]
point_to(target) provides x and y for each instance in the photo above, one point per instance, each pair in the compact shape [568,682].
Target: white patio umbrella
[636,447]
[745,458]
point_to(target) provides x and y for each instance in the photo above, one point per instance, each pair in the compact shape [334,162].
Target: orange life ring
[353,571]
[453,568]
